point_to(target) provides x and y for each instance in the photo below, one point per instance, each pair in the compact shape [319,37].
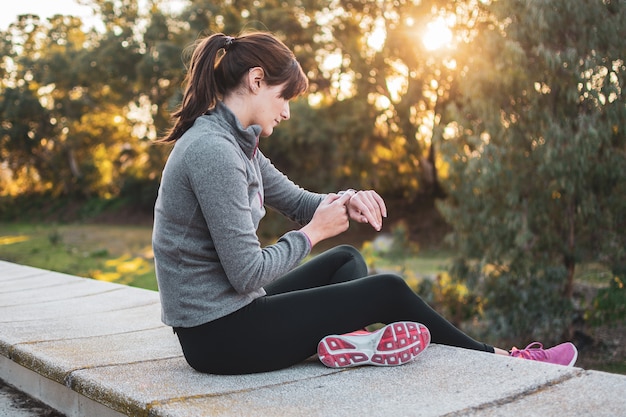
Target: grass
[612,367]
[593,273]
[424,263]
[123,254]
[120,254]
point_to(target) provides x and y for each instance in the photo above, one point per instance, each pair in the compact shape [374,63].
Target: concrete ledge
[90,348]
[52,393]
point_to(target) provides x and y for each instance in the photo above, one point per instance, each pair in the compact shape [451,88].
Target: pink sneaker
[564,354]
[395,344]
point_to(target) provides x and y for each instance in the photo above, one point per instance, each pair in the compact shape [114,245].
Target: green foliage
[139,193]
[96,206]
[55,238]
[609,305]
[395,253]
[452,298]
[81,106]
[393,247]
[527,303]
[423,273]
[538,160]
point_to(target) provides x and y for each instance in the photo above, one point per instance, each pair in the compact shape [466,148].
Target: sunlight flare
[437,35]
[9,240]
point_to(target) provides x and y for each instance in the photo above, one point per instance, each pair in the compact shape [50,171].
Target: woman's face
[271,108]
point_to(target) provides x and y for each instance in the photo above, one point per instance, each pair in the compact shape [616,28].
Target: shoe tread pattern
[396,344]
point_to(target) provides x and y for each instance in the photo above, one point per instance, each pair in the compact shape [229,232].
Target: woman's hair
[217,66]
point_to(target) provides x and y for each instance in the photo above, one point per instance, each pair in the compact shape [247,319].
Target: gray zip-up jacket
[208,258]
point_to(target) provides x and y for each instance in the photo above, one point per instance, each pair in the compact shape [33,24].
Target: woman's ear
[255,76]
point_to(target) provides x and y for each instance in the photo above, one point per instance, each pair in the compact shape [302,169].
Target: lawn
[121,254]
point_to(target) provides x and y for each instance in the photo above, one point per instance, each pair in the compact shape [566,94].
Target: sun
[437,35]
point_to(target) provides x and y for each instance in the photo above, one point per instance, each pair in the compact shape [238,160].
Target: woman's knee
[349,254]
[393,282]
[387,297]
[388,287]
[348,250]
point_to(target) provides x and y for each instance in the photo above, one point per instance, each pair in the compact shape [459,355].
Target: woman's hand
[330,218]
[367,207]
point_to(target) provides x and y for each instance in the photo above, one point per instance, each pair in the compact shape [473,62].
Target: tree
[70,101]
[538,158]
[371,90]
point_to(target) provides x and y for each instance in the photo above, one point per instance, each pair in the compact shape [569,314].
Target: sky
[44,8]
[48,8]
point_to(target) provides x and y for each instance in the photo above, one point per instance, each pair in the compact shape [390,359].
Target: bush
[140,192]
[525,303]
[451,298]
[609,305]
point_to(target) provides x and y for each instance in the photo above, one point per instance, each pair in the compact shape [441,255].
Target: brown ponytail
[218,64]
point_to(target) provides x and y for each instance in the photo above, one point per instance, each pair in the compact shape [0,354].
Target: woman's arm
[219,179]
[286,197]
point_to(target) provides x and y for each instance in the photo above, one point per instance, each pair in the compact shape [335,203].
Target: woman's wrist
[352,190]
[307,238]
[310,234]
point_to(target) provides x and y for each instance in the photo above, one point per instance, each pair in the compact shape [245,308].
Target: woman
[238,307]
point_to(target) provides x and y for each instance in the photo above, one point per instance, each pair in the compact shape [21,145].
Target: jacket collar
[248,138]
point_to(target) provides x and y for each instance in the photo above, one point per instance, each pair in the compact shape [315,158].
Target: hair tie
[228,41]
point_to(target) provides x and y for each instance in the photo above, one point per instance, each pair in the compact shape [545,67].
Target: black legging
[330,294]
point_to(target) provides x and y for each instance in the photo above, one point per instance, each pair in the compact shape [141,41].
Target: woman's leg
[278,331]
[339,264]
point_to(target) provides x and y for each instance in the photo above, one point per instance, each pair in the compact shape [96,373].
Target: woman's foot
[395,344]
[564,354]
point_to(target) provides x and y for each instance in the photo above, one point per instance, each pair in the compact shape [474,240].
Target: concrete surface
[14,403]
[90,348]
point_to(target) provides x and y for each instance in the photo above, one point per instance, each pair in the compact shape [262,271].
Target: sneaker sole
[393,345]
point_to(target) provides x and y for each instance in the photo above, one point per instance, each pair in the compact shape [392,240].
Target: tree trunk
[570,256]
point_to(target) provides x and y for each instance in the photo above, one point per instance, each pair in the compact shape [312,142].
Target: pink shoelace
[530,352]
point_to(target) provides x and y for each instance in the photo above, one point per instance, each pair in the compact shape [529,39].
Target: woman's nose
[286,114]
